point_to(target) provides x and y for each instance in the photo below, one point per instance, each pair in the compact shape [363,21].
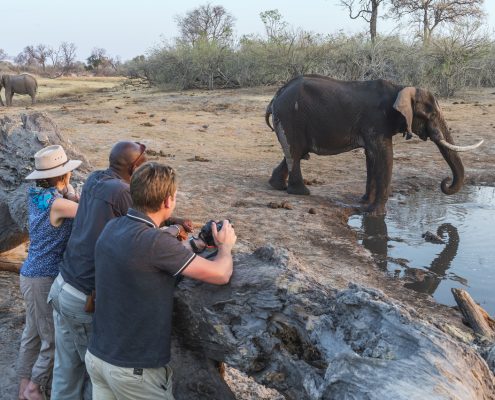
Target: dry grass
[51,89]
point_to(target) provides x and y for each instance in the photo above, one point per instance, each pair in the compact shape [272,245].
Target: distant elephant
[325,116]
[20,84]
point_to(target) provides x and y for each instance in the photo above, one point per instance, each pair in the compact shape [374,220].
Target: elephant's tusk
[447,145]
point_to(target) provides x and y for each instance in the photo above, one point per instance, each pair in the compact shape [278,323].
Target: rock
[312,211]
[20,137]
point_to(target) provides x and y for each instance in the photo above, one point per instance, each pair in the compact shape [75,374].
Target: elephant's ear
[404,104]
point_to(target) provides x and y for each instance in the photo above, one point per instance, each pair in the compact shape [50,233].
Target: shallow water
[466,223]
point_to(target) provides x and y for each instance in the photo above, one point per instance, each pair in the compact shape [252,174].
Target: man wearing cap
[50,218]
[105,195]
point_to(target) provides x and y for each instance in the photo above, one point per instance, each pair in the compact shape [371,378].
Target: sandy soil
[224,153]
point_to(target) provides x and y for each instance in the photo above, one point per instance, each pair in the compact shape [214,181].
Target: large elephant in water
[321,115]
[20,84]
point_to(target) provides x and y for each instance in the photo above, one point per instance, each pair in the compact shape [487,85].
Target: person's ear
[167,202]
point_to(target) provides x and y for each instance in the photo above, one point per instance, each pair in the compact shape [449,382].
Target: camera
[206,233]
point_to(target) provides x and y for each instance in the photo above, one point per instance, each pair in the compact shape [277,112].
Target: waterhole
[465,223]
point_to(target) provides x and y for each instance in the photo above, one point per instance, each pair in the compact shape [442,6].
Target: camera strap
[195,248]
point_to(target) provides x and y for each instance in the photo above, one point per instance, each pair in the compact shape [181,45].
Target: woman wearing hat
[51,208]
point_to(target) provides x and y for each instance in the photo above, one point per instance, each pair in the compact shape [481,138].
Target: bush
[461,58]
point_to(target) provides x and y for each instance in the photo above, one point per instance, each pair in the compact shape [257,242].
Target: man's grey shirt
[136,269]
[104,196]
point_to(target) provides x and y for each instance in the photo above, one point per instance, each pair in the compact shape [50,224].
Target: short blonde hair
[151,184]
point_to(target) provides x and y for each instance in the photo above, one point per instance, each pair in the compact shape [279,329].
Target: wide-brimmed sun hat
[51,162]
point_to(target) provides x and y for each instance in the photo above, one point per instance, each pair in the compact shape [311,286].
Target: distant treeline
[447,65]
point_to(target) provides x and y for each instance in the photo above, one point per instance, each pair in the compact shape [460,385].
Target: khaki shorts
[111,382]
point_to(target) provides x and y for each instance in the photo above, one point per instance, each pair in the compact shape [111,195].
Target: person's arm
[62,208]
[219,270]
[70,193]
[184,222]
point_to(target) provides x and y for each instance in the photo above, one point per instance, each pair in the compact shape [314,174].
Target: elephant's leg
[33,98]
[296,183]
[292,160]
[8,97]
[381,152]
[1,102]
[279,176]
[369,196]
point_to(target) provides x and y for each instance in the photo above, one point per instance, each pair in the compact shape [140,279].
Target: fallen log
[475,316]
[480,322]
[20,137]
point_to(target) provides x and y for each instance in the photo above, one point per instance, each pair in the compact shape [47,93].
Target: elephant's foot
[365,199]
[299,189]
[375,209]
[278,183]
[279,176]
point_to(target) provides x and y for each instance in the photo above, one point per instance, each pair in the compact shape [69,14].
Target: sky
[128,28]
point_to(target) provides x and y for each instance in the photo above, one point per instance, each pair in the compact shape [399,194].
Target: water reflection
[464,221]
[376,238]
[441,264]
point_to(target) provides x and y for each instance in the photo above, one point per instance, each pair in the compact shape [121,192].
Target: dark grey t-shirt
[136,265]
[104,196]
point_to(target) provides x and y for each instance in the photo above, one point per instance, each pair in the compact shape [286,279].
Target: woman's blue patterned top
[47,243]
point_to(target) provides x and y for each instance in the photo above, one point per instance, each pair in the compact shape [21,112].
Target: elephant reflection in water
[439,265]
[376,238]
[376,241]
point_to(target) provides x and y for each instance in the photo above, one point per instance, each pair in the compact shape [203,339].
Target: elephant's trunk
[452,158]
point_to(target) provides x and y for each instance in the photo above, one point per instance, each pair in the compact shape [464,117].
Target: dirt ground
[224,154]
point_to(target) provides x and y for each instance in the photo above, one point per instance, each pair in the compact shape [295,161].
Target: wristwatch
[178,230]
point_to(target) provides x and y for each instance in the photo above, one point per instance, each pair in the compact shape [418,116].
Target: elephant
[20,84]
[326,116]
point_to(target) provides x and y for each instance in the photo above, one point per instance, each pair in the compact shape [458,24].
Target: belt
[70,289]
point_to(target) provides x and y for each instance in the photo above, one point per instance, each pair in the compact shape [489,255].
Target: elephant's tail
[268,113]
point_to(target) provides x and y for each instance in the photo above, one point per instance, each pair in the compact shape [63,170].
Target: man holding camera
[136,268]
[105,195]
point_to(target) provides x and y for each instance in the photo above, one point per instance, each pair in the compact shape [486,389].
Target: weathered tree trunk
[21,137]
[374,19]
[278,325]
